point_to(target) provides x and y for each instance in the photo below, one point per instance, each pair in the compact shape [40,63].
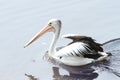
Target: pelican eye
[60,57]
[50,23]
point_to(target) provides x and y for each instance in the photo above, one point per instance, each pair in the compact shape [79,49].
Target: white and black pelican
[83,50]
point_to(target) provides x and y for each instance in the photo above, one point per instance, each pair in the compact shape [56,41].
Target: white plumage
[83,50]
[75,49]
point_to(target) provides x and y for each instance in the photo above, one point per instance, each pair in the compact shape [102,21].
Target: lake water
[21,20]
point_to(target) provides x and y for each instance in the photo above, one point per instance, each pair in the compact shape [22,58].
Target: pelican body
[81,51]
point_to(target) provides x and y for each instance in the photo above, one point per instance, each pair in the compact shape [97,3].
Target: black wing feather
[94,46]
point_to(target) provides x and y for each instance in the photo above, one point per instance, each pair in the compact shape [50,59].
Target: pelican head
[53,25]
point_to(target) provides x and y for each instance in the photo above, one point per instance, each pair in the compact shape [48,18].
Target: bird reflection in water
[87,72]
[84,76]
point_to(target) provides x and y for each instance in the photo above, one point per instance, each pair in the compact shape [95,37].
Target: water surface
[21,20]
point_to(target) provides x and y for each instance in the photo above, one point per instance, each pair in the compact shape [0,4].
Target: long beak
[43,31]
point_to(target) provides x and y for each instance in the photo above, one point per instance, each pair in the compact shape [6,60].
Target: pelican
[82,50]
